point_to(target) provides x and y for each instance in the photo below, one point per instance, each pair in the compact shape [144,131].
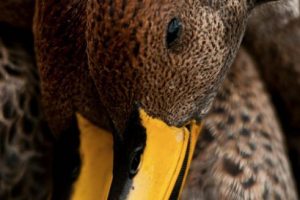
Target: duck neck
[67,86]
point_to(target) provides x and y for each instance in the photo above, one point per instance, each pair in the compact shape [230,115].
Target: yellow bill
[165,161]
[150,160]
[96,151]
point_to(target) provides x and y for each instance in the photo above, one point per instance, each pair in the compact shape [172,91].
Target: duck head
[155,67]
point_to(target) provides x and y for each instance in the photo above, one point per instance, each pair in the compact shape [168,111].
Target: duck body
[276,48]
[25,138]
[241,154]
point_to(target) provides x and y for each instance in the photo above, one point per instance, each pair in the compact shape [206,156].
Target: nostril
[189,127]
[135,162]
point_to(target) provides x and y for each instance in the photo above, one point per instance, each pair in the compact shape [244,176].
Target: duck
[25,138]
[275,47]
[140,69]
[241,153]
[67,106]
[241,81]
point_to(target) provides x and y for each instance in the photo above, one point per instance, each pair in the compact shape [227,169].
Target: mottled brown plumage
[241,154]
[25,139]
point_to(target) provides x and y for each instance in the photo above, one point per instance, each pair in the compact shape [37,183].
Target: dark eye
[173,32]
[135,161]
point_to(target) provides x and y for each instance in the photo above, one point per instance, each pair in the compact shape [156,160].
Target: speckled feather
[241,154]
